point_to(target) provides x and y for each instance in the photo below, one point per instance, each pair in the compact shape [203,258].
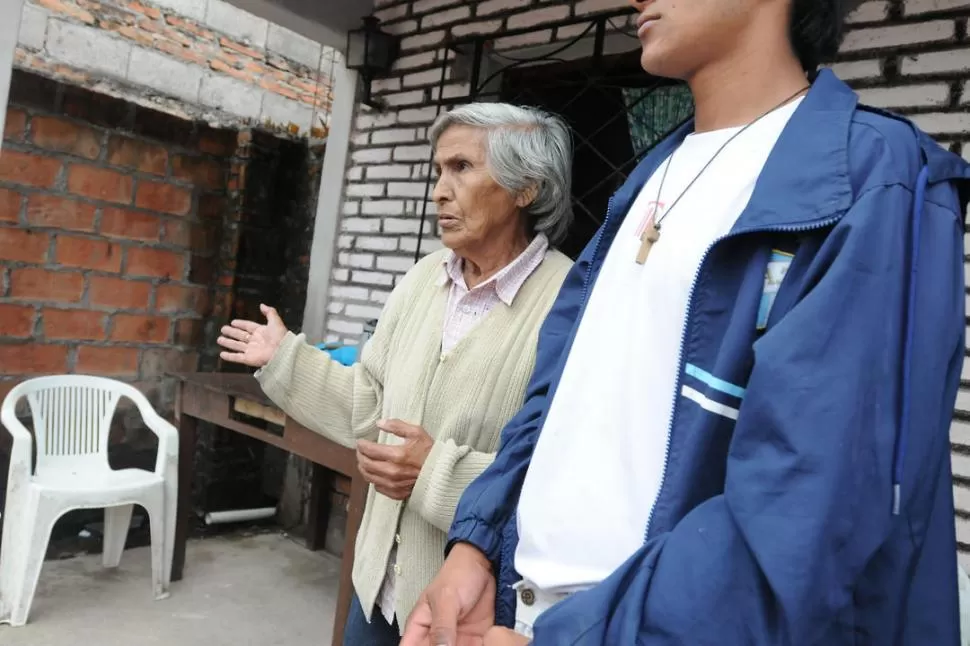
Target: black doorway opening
[616,112]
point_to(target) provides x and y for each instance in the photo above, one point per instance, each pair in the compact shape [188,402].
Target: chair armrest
[22,449]
[168,440]
[21,458]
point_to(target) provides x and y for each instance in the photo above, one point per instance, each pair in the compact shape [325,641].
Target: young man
[760,456]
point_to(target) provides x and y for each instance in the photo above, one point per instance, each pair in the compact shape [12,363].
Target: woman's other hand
[250,343]
[393,469]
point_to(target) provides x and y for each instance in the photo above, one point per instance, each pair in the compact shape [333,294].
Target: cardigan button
[528,596]
[397,539]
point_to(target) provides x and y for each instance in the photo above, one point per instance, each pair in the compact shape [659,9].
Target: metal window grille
[616,112]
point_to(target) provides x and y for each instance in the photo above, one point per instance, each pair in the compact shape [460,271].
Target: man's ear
[527,196]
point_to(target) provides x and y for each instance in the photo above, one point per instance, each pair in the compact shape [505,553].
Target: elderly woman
[450,358]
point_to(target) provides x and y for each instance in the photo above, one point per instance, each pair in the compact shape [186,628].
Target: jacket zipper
[683,339]
[596,251]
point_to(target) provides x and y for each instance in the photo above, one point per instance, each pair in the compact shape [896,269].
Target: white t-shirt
[599,462]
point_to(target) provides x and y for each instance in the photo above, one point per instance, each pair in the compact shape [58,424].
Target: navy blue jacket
[822,515]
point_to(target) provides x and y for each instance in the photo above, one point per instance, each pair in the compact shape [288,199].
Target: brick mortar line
[72,160]
[122,132]
[911,50]
[167,218]
[126,244]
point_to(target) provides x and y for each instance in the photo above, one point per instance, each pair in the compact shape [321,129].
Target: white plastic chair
[71,417]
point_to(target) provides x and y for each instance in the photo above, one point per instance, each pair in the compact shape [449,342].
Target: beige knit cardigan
[462,398]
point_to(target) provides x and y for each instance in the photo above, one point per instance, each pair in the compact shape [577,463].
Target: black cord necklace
[651,233]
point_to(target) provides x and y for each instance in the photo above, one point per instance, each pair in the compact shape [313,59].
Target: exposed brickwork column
[100,226]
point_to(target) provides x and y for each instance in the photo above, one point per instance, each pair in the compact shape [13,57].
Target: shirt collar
[509,279]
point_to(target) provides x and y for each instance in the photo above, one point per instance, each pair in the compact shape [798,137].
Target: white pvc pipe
[239,515]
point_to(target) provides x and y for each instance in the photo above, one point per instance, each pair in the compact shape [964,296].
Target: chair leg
[168,527]
[117,520]
[23,559]
[156,520]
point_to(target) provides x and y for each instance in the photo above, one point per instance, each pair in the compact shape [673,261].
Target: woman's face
[473,210]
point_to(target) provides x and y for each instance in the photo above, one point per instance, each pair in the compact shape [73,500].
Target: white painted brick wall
[907,96]
[363,311]
[443,18]
[490,7]
[899,35]
[950,60]
[916,7]
[364,190]
[870,12]
[859,70]
[943,123]
[420,41]
[486,27]
[395,264]
[389,171]
[371,156]
[378,296]
[586,7]
[538,17]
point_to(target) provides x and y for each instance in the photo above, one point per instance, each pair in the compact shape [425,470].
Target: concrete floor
[258,590]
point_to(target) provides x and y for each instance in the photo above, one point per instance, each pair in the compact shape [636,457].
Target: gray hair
[525,147]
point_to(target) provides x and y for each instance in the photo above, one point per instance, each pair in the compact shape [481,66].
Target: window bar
[600,40]
[479,51]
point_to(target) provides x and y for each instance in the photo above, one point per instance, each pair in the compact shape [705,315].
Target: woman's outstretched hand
[250,343]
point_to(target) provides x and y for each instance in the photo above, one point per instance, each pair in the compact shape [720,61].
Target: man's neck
[737,90]
[479,266]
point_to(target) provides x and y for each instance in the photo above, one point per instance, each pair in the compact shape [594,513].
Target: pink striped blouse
[467,307]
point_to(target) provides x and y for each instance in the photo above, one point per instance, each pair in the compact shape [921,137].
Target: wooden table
[232,401]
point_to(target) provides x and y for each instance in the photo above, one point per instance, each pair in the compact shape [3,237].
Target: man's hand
[499,636]
[250,343]
[458,607]
[393,469]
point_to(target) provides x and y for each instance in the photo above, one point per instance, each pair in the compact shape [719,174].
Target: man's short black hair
[817,28]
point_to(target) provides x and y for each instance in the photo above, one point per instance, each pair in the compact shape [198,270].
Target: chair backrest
[72,416]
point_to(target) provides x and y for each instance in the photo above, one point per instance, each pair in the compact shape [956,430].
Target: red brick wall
[108,231]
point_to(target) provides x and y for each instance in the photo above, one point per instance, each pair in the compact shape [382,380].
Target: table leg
[319,515]
[187,433]
[355,512]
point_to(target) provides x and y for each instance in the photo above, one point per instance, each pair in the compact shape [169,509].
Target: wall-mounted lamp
[371,52]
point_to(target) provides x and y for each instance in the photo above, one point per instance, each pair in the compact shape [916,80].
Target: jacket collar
[816,139]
